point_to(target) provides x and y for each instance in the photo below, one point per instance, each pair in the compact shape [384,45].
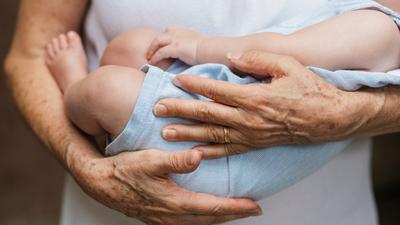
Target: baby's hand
[176,42]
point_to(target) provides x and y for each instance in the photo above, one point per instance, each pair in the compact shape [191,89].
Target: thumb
[177,162]
[264,64]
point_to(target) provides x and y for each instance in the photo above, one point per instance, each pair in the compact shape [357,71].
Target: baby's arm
[364,39]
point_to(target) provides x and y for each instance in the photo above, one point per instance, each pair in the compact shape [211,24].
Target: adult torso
[106,19]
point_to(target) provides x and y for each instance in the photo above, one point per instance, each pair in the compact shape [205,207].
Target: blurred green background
[31,180]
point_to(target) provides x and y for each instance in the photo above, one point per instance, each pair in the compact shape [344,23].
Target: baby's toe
[56,45]
[50,51]
[73,39]
[63,41]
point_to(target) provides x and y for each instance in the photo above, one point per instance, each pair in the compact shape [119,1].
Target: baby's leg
[100,103]
[103,101]
[365,39]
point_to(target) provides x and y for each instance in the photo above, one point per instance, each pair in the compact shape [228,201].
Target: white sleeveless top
[337,194]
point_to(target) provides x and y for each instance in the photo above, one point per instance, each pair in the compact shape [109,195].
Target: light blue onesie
[259,173]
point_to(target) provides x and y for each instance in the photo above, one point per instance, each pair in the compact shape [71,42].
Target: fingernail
[231,55]
[169,133]
[177,82]
[258,212]
[160,109]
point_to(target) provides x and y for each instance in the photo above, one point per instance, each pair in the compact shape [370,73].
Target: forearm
[36,93]
[41,103]
[215,49]
[384,116]
[319,45]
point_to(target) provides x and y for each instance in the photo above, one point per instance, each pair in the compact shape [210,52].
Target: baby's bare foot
[66,59]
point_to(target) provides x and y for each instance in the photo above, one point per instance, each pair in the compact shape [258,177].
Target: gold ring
[227,138]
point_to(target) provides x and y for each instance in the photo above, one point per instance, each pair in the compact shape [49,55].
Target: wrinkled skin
[134,183]
[297,106]
[120,181]
[137,184]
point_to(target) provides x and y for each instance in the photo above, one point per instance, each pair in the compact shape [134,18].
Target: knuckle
[214,134]
[227,149]
[147,155]
[286,62]
[253,123]
[174,162]
[230,150]
[216,210]
[256,123]
[184,207]
[149,159]
[255,102]
[209,89]
[277,69]
[202,111]
[176,108]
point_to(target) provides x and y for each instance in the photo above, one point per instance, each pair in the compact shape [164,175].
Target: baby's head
[130,48]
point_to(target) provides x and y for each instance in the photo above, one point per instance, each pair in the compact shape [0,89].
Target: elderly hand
[137,184]
[297,106]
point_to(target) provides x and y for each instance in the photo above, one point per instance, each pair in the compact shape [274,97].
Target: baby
[117,98]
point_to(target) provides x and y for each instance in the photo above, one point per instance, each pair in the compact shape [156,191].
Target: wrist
[78,155]
[383,113]
[215,49]
[201,53]
[360,109]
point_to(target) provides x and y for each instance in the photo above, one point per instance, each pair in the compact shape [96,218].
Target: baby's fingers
[160,41]
[163,53]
